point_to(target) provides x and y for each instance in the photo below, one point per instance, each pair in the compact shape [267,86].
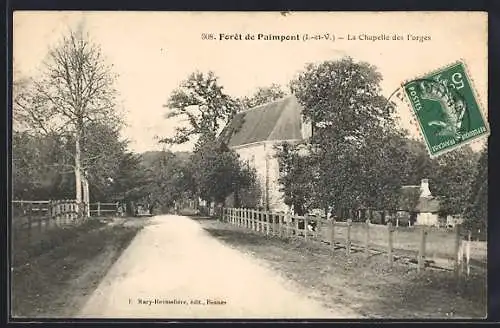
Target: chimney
[424,188]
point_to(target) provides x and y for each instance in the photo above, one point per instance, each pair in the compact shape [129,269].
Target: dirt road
[174,269]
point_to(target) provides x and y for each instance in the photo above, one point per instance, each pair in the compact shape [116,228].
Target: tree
[30,179]
[262,96]
[101,138]
[476,213]
[202,103]
[453,177]
[383,164]
[218,173]
[342,99]
[355,146]
[43,165]
[296,177]
[418,164]
[75,88]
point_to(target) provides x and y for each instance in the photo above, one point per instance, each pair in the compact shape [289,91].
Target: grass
[440,244]
[54,272]
[364,283]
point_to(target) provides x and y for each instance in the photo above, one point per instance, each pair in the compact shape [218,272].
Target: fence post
[251,214]
[332,235]
[276,225]
[467,253]
[28,210]
[306,218]
[281,222]
[367,240]
[257,220]
[58,212]
[256,217]
[49,214]
[390,231]
[266,217]
[317,232]
[348,240]
[458,251]
[296,227]
[53,211]
[262,221]
[40,218]
[421,251]
[98,208]
[279,228]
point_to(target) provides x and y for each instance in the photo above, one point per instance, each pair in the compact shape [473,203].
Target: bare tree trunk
[78,172]
[86,197]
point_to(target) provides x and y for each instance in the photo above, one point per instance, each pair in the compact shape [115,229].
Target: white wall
[255,155]
[261,157]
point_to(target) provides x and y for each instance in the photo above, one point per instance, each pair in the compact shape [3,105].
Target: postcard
[249,165]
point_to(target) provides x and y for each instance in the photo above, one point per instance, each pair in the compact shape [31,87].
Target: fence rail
[102,209]
[424,244]
[44,214]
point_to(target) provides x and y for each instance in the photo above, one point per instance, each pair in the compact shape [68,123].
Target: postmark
[447,109]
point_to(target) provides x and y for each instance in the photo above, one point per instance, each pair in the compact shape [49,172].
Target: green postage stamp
[446,108]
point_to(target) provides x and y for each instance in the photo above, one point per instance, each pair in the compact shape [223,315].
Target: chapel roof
[277,120]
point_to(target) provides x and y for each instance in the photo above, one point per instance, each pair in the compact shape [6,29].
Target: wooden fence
[44,214]
[419,243]
[105,209]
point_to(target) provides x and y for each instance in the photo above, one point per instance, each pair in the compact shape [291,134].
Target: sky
[154,51]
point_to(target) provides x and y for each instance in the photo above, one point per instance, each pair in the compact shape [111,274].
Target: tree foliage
[76,86]
[453,176]
[43,165]
[200,101]
[476,213]
[219,173]
[263,95]
[296,178]
[355,154]
[32,170]
[74,91]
